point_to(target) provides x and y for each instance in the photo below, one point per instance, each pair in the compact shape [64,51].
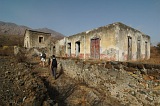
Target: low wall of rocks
[125,81]
[85,70]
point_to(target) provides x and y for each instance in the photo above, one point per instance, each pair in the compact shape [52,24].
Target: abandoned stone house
[36,39]
[41,41]
[114,42]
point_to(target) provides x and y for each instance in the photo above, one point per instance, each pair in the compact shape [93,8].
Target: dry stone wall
[130,83]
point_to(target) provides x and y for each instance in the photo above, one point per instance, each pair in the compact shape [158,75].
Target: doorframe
[138,49]
[146,49]
[94,55]
[69,45]
[129,48]
[77,48]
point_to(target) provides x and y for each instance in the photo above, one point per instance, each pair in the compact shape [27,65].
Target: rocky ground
[19,86]
[116,83]
[29,84]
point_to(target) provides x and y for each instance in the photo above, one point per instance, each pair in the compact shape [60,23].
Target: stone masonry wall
[131,83]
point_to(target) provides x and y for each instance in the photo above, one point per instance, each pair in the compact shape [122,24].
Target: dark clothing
[54,72]
[43,55]
[54,67]
[54,62]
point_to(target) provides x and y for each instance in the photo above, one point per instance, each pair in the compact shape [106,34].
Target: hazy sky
[74,16]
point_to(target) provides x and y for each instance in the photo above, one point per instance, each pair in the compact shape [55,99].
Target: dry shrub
[7,51]
[158,46]
[11,40]
[151,61]
[155,52]
[21,56]
[154,57]
[108,66]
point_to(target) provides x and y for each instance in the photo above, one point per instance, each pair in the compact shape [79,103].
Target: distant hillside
[7,28]
[12,34]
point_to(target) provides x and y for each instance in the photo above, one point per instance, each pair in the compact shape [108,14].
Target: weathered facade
[117,42]
[36,39]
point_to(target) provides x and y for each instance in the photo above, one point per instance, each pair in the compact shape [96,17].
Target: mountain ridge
[8,28]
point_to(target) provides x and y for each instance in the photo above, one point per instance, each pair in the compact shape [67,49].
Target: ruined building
[117,42]
[41,41]
[36,39]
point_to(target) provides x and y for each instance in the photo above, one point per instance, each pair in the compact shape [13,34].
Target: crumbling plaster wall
[73,39]
[60,47]
[31,39]
[39,40]
[113,43]
[107,41]
[122,35]
[146,39]
[27,41]
[108,47]
[35,39]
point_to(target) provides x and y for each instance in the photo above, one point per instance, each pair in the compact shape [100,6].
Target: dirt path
[27,83]
[32,85]
[65,91]
[53,86]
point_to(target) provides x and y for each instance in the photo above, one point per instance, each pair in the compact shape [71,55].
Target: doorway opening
[69,49]
[129,48]
[95,48]
[146,53]
[77,48]
[138,49]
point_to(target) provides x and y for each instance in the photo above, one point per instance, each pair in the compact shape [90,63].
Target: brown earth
[19,86]
[27,83]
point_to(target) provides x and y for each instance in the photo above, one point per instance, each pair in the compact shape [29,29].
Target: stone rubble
[129,83]
[18,86]
[88,83]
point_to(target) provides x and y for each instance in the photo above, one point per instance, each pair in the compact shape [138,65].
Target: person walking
[53,65]
[43,58]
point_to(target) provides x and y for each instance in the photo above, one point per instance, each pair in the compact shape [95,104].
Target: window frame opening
[40,39]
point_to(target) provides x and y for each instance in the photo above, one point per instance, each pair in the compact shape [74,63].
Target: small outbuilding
[114,42]
[36,39]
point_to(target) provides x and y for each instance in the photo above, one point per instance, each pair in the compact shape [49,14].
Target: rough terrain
[124,83]
[29,84]
[19,86]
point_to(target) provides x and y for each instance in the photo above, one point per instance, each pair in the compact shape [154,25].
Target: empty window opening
[146,53]
[139,49]
[129,48]
[77,48]
[69,49]
[41,39]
